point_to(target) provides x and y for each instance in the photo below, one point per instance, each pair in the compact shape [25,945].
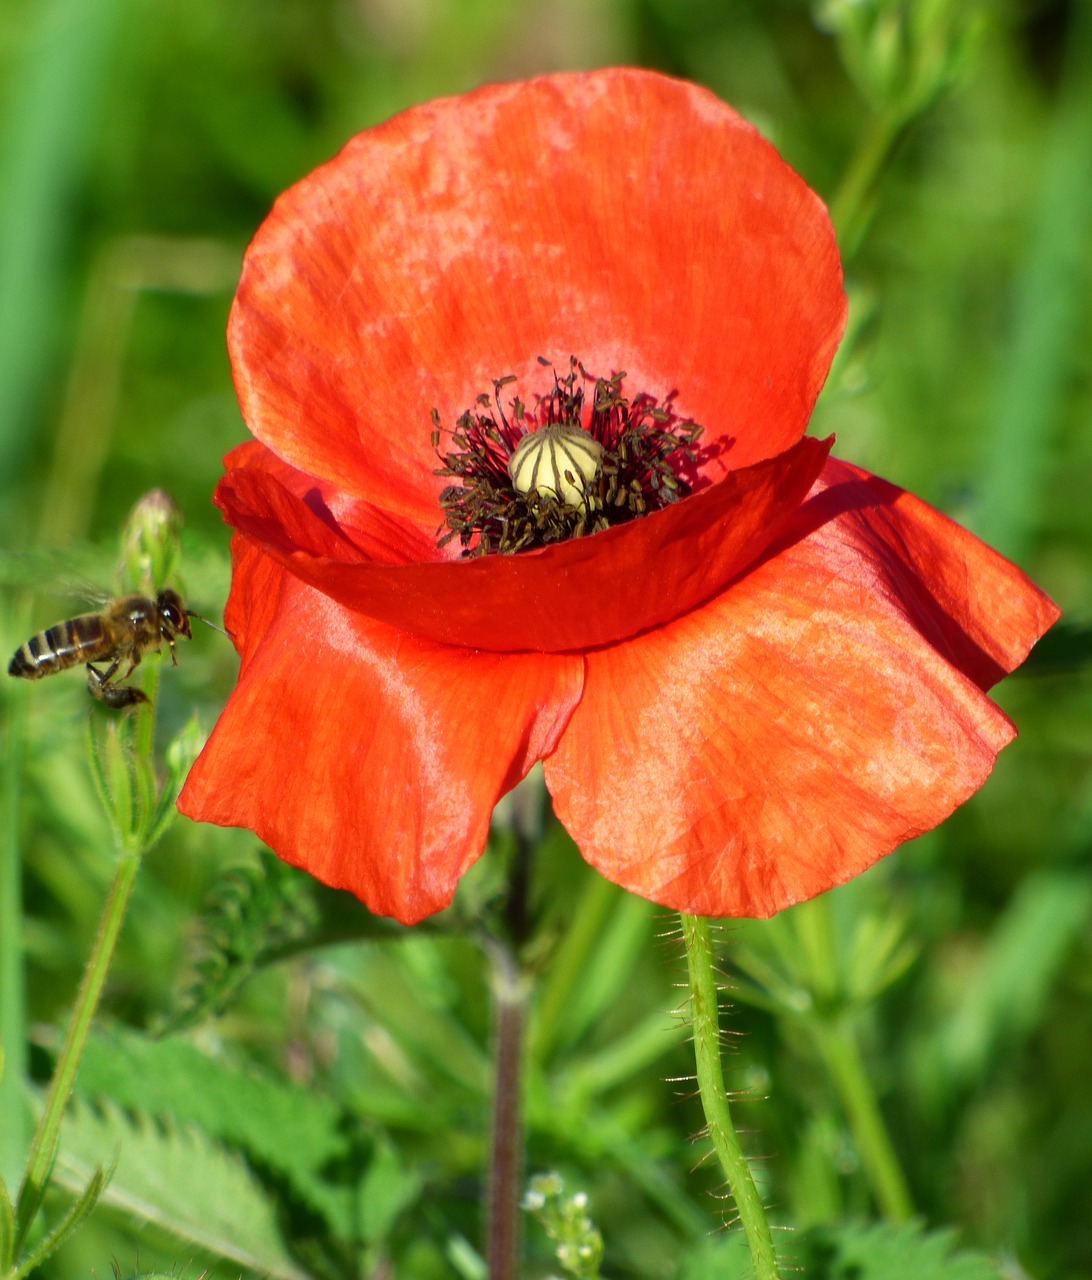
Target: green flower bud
[150,543]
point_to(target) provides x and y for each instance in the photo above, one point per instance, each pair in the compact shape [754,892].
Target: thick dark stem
[510,993]
[516,914]
[511,996]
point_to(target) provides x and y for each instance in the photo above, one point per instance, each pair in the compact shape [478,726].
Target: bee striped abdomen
[82,639]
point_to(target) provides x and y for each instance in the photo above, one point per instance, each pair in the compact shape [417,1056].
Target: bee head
[173,614]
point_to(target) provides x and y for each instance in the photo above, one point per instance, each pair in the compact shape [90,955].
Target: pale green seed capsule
[558,462]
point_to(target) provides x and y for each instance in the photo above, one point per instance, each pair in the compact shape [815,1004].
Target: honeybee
[119,635]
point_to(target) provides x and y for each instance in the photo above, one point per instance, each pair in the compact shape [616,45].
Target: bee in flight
[119,635]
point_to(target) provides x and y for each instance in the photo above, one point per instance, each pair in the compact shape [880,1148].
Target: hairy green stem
[704,1017]
[43,1148]
[13,1030]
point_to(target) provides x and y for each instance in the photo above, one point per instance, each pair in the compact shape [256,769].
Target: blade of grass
[43,152]
[1051,295]
[1006,997]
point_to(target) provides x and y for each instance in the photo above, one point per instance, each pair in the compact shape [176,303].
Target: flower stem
[838,1047]
[705,1021]
[13,1021]
[832,1028]
[511,993]
[44,1144]
[852,202]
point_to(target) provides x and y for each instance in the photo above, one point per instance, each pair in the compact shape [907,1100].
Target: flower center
[528,478]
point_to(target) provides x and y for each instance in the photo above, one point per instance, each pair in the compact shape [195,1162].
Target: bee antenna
[190,614]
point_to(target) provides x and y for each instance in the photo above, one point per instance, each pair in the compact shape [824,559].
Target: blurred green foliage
[141,142]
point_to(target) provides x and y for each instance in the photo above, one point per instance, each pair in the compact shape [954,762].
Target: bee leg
[113,695]
[95,682]
[105,676]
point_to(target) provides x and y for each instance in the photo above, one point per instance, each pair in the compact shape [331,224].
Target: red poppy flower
[767,672]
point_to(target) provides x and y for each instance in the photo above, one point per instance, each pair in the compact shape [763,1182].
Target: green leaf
[97,766]
[887,1251]
[848,1252]
[181,1182]
[387,1189]
[181,752]
[299,1135]
[256,914]
[124,781]
[465,1260]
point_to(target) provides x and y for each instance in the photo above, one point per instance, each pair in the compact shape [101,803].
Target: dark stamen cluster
[644,446]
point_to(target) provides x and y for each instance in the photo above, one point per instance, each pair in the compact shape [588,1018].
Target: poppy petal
[633,220]
[367,530]
[369,758]
[568,596]
[820,711]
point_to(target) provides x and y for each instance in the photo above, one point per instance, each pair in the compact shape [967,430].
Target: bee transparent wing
[70,571]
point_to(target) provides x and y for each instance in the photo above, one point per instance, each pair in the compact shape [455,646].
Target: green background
[141,143]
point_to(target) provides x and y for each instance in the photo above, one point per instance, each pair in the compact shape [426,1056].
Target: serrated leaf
[179,1181]
[886,1251]
[298,1134]
[255,914]
[881,1251]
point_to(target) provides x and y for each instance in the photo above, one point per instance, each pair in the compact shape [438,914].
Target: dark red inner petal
[574,595]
